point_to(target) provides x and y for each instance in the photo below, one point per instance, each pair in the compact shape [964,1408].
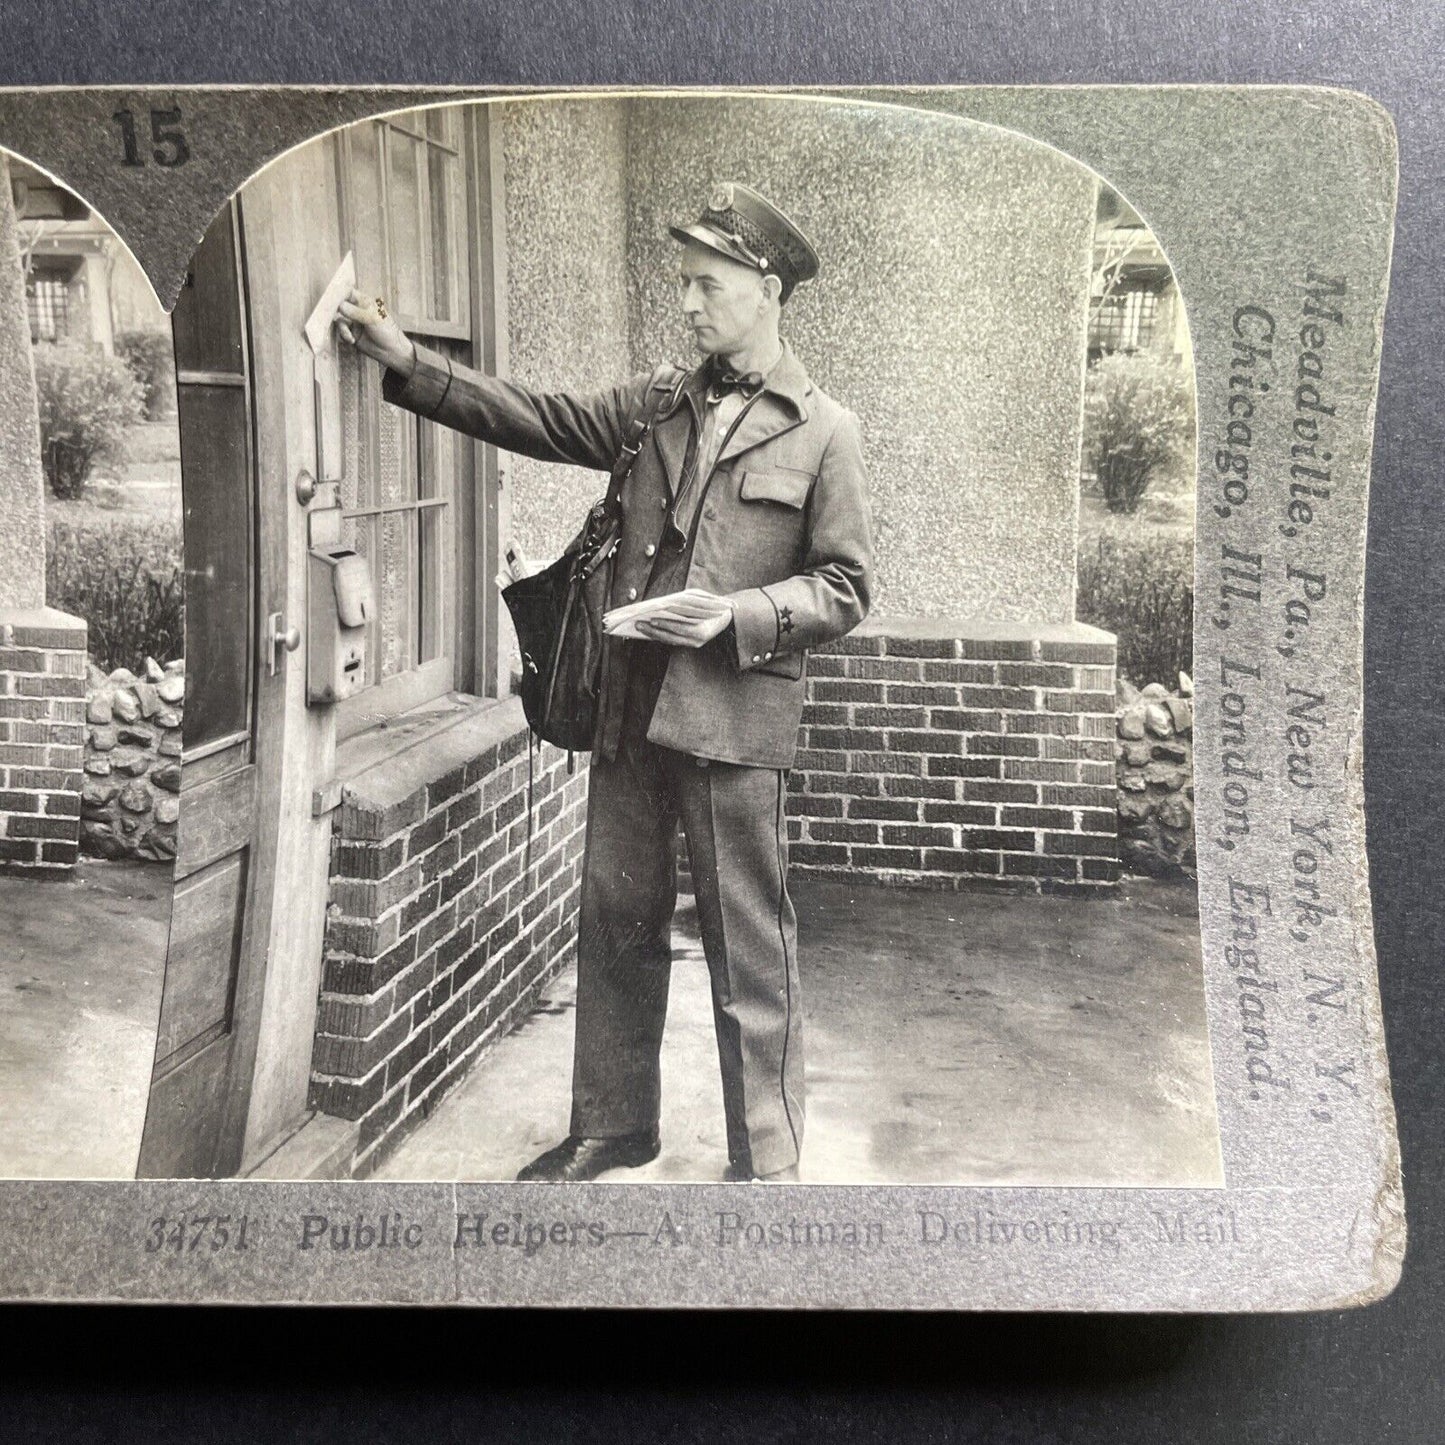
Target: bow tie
[723,381]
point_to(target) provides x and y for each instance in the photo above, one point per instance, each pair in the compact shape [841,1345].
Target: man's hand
[693,618]
[367,324]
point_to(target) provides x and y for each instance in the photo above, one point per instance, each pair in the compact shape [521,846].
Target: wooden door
[215,962]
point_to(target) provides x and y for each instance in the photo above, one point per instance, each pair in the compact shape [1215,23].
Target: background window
[47,299]
[1124,319]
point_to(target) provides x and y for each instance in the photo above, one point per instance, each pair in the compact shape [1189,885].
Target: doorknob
[279,636]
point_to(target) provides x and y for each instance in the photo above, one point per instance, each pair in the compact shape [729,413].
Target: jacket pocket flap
[790,489]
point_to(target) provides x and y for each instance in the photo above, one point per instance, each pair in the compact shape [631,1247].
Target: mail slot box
[339,609]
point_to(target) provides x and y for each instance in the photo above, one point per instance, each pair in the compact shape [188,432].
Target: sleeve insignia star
[785,619]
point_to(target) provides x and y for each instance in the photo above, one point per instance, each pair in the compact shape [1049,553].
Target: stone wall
[443,925]
[129,803]
[1155,759]
[945,754]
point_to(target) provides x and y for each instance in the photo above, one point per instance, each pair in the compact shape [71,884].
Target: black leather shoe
[576,1160]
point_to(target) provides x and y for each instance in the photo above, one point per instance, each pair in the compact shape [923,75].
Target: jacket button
[662,504]
[651,550]
[756,658]
[767,657]
[632,594]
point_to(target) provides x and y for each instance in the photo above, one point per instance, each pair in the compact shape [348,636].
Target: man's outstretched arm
[584,430]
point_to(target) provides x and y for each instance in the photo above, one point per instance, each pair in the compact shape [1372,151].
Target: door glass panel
[435,459]
[354,475]
[217,493]
[366,233]
[213,415]
[431,538]
[206,325]
[403,196]
[394,570]
[394,479]
[440,170]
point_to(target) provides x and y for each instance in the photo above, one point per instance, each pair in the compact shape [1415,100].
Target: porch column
[42,651]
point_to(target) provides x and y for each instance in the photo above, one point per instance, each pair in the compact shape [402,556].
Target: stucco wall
[22,538]
[949,314]
[565,173]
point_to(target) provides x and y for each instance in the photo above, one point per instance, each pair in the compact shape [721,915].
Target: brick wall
[438,935]
[42,735]
[932,753]
[938,752]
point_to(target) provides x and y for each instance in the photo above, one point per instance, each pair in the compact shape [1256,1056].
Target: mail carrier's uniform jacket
[781,530]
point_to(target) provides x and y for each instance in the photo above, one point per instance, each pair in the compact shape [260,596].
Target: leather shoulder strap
[667,383]
[663,390]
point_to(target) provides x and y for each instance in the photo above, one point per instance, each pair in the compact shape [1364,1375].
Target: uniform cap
[744,226]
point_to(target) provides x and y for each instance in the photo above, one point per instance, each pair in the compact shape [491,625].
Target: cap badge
[722,199]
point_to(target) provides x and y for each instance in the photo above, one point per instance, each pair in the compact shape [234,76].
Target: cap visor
[712,240]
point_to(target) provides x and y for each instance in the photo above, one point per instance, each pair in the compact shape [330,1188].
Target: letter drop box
[340,604]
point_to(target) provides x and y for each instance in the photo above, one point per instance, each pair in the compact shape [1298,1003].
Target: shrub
[124,578]
[1144,593]
[152,363]
[1137,414]
[87,401]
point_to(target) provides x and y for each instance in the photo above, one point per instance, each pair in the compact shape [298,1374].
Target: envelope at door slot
[321,338]
[318,328]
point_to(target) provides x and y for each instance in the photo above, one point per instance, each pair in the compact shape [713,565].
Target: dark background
[72,1374]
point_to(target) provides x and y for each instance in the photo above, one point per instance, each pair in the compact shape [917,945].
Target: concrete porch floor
[951,1038]
[81,965]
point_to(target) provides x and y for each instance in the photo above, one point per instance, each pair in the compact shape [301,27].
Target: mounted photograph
[825,777]
[691,699]
[691,610]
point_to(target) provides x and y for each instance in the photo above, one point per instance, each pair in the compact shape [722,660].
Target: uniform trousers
[733,820]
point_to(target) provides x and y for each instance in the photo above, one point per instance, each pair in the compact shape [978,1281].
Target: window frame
[423,324]
[468,623]
[57,273]
[1125,318]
